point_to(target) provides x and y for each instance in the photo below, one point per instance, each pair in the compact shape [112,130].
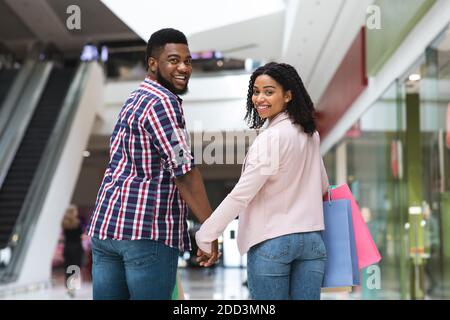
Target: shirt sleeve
[262,162]
[166,126]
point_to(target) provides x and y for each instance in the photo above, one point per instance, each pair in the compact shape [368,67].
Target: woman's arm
[262,162]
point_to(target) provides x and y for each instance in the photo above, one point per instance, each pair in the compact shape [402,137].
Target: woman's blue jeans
[133,269]
[287,267]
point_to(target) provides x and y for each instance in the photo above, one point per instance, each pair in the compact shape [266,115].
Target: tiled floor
[217,283]
[198,284]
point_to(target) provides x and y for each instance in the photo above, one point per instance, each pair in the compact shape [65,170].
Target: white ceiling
[312,35]
[145,17]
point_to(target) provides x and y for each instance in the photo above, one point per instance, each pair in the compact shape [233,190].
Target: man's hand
[206,260]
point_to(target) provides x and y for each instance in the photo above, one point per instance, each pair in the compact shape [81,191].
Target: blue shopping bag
[341,268]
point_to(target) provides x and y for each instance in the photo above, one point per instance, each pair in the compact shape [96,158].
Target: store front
[395,158]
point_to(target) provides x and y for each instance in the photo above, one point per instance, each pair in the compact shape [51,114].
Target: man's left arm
[193,191]
[166,128]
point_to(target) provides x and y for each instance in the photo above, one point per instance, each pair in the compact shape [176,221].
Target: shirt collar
[156,84]
[278,118]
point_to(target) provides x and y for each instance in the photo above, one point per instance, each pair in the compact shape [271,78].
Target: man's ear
[152,64]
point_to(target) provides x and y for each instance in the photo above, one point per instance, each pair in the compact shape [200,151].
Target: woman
[73,249]
[279,195]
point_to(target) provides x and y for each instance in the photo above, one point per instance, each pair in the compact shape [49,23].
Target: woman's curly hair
[300,108]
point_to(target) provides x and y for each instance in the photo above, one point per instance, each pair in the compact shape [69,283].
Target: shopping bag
[341,268]
[347,289]
[366,249]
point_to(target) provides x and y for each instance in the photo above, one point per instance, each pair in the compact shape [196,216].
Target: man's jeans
[133,269]
[287,267]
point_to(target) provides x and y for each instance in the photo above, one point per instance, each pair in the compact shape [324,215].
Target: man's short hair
[159,39]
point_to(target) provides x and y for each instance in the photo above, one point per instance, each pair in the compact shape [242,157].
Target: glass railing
[16,124]
[15,93]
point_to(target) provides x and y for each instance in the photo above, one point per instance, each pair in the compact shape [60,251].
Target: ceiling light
[86,154]
[248,65]
[414,77]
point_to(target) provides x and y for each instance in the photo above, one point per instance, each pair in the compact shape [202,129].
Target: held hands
[205,259]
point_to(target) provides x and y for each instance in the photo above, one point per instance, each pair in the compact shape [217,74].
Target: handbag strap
[329,196]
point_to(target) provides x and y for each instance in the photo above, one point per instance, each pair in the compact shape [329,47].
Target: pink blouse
[279,192]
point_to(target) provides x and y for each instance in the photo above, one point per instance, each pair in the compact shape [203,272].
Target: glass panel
[387,174]
[435,105]
[374,172]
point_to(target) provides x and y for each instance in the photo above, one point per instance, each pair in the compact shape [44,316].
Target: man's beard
[166,84]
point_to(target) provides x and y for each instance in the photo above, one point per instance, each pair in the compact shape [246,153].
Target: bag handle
[329,196]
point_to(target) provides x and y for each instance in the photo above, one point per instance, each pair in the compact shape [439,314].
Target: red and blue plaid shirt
[138,198]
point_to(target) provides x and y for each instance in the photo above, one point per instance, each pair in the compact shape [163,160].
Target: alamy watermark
[74,280]
[226,147]
[373,281]
[373,20]
[73,21]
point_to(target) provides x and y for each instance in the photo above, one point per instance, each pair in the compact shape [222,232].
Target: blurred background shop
[378,72]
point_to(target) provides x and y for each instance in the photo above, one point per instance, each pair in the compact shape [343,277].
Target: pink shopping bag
[366,249]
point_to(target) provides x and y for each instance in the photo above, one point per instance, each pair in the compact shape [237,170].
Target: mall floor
[198,284]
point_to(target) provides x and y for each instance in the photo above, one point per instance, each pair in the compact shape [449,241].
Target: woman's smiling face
[269,98]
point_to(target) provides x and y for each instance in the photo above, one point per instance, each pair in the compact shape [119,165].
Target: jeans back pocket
[275,248]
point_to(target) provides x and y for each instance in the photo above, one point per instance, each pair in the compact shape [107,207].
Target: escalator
[41,153]
[23,168]
[6,80]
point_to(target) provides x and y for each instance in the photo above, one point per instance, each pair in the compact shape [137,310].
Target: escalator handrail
[14,93]
[21,117]
[34,201]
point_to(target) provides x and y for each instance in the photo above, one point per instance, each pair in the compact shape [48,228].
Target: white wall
[214,103]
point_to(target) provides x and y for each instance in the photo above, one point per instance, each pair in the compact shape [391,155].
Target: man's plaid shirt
[138,198]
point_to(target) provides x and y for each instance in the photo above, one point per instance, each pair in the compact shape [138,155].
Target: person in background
[430,227]
[279,195]
[73,249]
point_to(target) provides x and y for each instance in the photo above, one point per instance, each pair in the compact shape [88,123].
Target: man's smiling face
[173,67]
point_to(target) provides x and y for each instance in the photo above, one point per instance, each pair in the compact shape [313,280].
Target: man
[139,223]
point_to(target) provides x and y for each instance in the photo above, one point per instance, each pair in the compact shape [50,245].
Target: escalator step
[26,161]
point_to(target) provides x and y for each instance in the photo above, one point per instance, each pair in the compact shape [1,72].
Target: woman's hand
[205,259]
